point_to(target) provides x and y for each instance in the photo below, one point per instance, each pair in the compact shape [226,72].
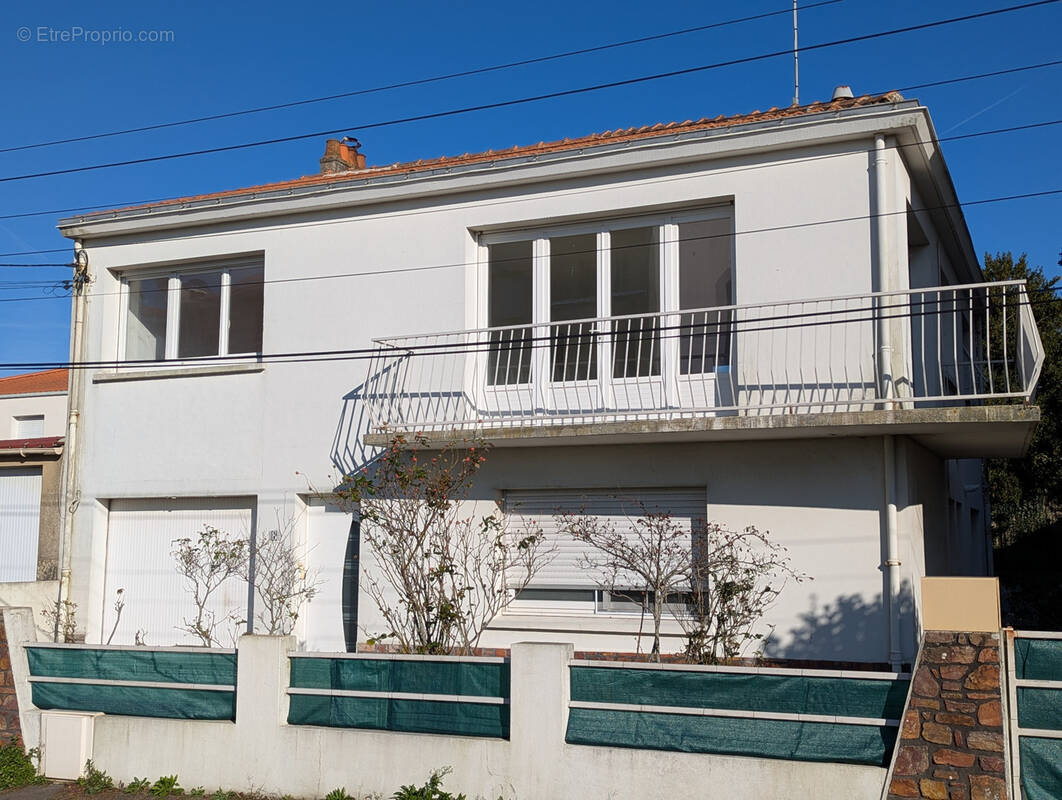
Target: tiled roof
[619,135]
[37,443]
[52,380]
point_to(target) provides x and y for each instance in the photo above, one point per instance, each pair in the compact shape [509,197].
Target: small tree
[440,574]
[206,562]
[62,619]
[282,581]
[652,557]
[733,578]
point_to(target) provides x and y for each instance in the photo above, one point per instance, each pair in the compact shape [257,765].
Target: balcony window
[195,312]
[564,284]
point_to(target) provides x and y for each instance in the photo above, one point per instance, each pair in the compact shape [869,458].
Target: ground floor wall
[822,499]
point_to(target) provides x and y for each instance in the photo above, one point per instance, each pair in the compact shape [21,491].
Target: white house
[32,429]
[775,319]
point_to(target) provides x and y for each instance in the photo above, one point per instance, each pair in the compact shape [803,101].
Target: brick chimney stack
[341,156]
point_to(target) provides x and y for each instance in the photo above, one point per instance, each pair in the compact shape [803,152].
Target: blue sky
[226,56]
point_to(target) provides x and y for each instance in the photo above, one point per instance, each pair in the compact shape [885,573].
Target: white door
[331,558]
[20,523]
[157,600]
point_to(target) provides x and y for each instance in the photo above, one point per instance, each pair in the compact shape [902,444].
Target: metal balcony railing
[939,346]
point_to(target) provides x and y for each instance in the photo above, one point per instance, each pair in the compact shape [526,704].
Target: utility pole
[796,59]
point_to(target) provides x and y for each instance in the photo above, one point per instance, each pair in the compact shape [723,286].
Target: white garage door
[620,508]
[140,537]
[20,523]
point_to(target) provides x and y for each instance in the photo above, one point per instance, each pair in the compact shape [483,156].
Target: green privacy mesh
[1041,768]
[134,665]
[847,697]
[1040,708]
[411,716]
[1038,659]
[136,701]
[417,676]
[759,738]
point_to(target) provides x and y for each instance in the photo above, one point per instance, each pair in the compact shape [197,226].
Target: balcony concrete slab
[951,432]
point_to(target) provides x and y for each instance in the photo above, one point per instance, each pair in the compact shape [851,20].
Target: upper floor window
[564,284]
[195,311]
[28,427]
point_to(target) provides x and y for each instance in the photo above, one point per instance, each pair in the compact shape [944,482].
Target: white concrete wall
[38,596]
[52,406]
[290,427]
[260,752]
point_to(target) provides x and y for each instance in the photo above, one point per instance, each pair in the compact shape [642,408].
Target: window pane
[635,258]
[705,281]
[245,310]
[573,295]
[509,294]
[200,315]
[145,324]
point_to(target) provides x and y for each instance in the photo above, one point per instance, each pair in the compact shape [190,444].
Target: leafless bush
[283,584]
[206,562]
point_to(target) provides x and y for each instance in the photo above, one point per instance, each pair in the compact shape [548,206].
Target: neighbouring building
[32,425]
[774,319]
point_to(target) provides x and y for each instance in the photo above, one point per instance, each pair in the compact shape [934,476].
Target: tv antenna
[796,59]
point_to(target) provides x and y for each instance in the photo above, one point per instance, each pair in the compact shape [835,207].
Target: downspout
[885,384]
[68,491]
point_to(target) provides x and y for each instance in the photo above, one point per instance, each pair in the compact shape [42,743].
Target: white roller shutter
[140,536]
[621,508]
[20,523]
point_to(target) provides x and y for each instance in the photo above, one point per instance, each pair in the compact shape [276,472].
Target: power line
[153,201]
[488,346]
[418,81]
[523,100]
[35,252]
[38,265]
[456,265]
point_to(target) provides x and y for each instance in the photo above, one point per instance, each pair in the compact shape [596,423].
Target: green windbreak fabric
[759,738]
[1038,659]
[1040,708]
[134,665]
[1041,768]
[416,676]
[135,701]
[411,716]
[846,697]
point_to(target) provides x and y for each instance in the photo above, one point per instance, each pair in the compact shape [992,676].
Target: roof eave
[359,189]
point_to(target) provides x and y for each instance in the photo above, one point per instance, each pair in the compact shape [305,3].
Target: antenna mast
[796,59]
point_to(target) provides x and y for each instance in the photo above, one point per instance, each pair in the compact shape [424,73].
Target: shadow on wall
[849,628]
[349,454]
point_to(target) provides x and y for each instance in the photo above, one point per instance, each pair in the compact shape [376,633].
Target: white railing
[939,346]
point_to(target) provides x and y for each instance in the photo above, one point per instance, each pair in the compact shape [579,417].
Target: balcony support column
[891,549]
[881,262]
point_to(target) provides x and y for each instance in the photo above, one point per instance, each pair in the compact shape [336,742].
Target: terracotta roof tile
[53,380]
[567,143]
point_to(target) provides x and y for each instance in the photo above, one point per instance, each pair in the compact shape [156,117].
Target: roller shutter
[20,523]
[621,508]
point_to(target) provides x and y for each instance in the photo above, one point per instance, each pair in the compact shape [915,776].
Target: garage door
[620,508]
[140,536]
[20,523]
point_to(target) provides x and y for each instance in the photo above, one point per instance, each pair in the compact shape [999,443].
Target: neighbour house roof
[36,443]
[52,380]
[645,132]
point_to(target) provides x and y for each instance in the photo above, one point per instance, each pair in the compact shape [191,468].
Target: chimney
[341,156]
[842,92]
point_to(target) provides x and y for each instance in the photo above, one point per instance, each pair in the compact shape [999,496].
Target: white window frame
[174,273]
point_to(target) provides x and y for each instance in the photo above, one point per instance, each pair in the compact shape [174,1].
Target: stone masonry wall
[10,727]
[951,739]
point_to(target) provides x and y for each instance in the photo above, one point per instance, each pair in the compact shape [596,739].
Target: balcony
[953,365]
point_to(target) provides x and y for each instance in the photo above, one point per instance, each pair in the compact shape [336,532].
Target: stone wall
[9,722]
[951,740]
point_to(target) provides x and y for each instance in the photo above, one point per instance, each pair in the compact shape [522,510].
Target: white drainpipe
[69,476]
[885,382]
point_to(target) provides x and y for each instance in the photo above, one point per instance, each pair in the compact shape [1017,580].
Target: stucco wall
[52,406]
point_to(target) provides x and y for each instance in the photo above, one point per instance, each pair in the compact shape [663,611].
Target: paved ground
[42,792]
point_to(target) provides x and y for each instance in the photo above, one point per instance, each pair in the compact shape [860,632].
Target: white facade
[360,260]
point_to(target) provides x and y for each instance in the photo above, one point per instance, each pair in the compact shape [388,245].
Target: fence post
[539,692]
[19,630]
[262,672]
